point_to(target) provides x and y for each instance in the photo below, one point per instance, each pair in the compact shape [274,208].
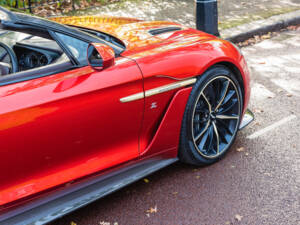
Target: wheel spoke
[217,136]
[204,139]
[223,95]
[228,108]
[205,129]
[205,98]
[229,95]
[3,56]
[211,94]
[211,138]
[224,126]
[225,117]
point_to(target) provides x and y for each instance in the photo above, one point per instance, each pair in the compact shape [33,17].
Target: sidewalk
[231,12]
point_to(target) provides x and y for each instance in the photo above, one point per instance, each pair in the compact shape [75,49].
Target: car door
[58,128]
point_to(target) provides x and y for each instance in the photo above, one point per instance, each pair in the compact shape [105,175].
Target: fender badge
[153,105]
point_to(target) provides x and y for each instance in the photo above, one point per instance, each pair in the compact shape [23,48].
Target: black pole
[207,16]
[29,6]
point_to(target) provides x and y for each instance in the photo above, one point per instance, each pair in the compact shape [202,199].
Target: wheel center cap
[212,116]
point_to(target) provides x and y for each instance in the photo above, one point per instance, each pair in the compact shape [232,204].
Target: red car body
[72,126]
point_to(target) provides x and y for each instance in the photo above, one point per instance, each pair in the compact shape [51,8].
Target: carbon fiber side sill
[55,206]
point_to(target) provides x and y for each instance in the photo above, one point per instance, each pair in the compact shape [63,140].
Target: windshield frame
[20,21]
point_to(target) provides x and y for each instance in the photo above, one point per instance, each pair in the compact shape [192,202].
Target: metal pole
[29,6]
[207,16]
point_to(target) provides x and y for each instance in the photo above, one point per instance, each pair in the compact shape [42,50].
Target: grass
[263,15]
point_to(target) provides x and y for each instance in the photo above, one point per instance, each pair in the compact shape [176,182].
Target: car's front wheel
[212,117]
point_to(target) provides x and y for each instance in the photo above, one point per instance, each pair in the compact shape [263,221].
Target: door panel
[59,128]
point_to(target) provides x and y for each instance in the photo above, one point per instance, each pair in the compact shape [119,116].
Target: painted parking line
[260,93]
[271,127]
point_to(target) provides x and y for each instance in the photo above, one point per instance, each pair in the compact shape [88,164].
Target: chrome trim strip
[132,97]
[169,77]
[158,90]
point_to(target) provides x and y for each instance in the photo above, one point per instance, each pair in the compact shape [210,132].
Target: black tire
[212,117]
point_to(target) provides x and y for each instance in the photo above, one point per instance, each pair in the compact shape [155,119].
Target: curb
[260,27]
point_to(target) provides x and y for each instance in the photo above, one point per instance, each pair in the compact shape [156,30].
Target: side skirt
[54,206]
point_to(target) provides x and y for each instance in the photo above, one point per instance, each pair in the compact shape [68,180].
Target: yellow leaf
[152,210]
[146,180]
[241,149]
[238,217]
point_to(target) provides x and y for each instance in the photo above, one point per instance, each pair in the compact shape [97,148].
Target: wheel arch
[238,73]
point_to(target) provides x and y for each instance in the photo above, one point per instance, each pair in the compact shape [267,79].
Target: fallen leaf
[116,223]
[256,37]
[146,180]
[241,149]
[266,36]
[227,222]
[175,193]
[262,63]
[104,223]
[258,110]
[73,223]
[238,217]
[232,166]
[246,154]
[152,210]
[148,215]
[289,95]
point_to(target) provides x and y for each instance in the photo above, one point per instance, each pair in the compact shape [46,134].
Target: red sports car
[91,104]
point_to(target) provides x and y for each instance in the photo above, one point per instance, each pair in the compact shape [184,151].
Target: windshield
[18,20]
[77,47]
[105,36]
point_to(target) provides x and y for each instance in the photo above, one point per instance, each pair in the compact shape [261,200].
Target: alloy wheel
[216,117]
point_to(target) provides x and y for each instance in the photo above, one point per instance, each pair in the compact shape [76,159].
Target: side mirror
[100,56]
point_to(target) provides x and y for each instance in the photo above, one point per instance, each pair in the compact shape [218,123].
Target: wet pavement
[258,182]
[231,12]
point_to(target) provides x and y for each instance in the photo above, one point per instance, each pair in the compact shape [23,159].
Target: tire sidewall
[187,143]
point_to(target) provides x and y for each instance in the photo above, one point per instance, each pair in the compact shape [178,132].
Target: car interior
[27,52]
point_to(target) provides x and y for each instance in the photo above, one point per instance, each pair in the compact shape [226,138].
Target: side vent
[163,30]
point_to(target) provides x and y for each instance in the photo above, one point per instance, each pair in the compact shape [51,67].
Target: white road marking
[259,92]
[271,127]
[290,85]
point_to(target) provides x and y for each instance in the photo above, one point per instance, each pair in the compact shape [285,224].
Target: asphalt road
[258,182]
